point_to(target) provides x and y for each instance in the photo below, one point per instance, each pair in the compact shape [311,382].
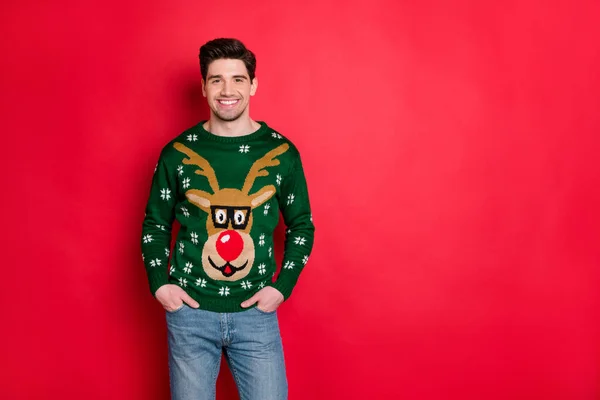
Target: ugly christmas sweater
[226,192]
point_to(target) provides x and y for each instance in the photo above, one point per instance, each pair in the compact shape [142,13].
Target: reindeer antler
[205,168]
[258,168]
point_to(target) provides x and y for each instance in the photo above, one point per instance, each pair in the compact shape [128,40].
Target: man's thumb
[191,302]
[250,301]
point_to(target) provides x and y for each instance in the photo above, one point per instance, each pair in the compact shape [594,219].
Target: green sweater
[226,193]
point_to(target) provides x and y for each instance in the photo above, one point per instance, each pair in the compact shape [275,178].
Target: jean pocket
[264,312]
[177,309]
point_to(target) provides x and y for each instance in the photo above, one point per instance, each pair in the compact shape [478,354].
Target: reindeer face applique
[228,254]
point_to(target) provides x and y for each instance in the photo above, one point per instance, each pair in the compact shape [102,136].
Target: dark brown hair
[226,48]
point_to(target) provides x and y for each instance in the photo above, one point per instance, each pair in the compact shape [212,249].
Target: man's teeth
[228,102]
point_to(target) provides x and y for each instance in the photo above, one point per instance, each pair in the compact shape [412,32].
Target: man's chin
[228,117]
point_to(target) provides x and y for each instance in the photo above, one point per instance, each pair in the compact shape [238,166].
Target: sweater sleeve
[295,208]
[156,228]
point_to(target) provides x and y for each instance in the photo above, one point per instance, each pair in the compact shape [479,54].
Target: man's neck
[239,127]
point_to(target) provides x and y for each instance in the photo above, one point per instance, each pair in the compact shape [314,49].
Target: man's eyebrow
[221,77]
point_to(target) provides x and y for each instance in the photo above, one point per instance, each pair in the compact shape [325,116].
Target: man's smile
[228,103]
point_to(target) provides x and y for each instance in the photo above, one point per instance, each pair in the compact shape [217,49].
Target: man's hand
[172,297]
[268,299]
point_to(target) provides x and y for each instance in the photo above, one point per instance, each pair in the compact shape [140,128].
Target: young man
[225,180]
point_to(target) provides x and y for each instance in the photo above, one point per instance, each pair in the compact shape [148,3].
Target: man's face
[228,89]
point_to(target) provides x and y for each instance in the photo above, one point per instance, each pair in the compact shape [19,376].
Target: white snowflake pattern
[201,282]
[183,282]
[289,231]
[224,291]
[155,167]
[270,252]
[244,148]
[143,258]
[156,262]
[262,285]
[246,285]
[290,199]
[194,237]
[278,180]
[165,194]
[261,239]
[186,183]
[147,238]
[304,260]
[289,265]
[180,169]
[192,137]
[171,270]
[185,212]
[188,267]
[299,240]
[311,217]
[162,228]
[276,135]
[267,206]
[181,247]
[262,269]
[167,252]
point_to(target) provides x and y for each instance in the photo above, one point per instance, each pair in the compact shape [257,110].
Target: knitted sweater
[226,193]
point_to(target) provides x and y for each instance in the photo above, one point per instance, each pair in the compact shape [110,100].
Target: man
[225,180]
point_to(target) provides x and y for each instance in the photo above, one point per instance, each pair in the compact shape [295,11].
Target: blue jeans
[250,341]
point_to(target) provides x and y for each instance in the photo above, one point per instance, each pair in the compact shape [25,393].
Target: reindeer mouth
[227,269]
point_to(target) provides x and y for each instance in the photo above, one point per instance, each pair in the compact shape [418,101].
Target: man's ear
[254,86]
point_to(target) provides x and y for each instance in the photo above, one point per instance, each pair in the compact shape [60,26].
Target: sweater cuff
[285,284]
[156,279]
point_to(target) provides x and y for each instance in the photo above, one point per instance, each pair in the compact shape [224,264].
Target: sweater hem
[224,305]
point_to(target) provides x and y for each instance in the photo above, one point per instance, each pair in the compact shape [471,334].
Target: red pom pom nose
[229,245]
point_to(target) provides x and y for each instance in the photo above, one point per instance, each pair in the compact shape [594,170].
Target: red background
[451,150]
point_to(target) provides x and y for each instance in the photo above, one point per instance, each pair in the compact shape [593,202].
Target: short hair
[229,49]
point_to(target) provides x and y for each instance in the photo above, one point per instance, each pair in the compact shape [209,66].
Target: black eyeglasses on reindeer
[224,215]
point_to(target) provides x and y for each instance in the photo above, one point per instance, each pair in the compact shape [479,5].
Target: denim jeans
[250,341]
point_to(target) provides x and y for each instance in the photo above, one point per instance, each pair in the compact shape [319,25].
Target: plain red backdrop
[451,150]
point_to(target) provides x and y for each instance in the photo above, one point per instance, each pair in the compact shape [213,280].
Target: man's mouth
[228,103]
[227,270]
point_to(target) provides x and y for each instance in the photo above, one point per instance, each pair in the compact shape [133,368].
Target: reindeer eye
[239,217]
[221,216]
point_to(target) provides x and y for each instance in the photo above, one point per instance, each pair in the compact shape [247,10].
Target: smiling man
[226,180]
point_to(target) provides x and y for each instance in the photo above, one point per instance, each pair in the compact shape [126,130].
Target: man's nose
[227,88]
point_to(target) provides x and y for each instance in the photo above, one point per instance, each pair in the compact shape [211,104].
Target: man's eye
[216,81]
